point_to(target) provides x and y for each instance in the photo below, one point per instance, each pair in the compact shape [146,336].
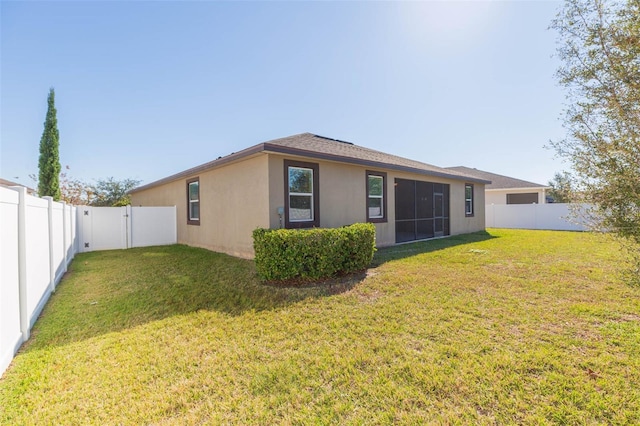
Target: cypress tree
[49,162]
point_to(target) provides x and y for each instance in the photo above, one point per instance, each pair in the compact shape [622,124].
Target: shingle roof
[497,181]
[323,148]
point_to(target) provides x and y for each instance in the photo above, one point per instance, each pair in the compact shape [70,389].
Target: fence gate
[103,228]
[112,228]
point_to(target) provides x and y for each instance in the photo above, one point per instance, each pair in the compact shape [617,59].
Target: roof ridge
[333,139]
[322,147]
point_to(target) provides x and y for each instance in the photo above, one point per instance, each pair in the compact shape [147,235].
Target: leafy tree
[111,192]
[599,45]
[49,161]
[561,188]
[74,191]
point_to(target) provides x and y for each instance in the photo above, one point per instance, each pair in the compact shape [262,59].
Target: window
[193,201]
[524,198]
[301,194]
[376,197]
[468,199]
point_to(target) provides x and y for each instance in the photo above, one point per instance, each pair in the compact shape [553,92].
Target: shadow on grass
[115,290]
[111,291]
[402,251]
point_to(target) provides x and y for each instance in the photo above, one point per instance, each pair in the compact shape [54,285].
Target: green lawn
[526,327]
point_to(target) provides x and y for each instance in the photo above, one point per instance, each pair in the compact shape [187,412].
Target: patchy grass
[522,327]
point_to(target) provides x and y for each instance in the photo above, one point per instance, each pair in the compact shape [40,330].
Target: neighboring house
[305,181]
[505,189]
[8,183]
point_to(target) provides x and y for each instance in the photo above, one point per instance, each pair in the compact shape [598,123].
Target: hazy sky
[148,89]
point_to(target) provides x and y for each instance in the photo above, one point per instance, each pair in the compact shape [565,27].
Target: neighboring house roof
[323,148]
[7,183]
[497,181]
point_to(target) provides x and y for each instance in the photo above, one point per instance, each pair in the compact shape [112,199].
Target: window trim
[315,195]
[191,221]
[470,200]
[382,175]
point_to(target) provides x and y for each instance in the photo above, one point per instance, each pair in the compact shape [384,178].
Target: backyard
[507,326]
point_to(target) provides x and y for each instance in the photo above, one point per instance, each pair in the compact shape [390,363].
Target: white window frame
[381,196]
[301,194]
[468,201]
[192,202]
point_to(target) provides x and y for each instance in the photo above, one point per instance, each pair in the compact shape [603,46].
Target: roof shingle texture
[497,181]
[320,147]
[315,144]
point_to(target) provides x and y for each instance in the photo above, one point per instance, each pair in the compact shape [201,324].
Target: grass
[525,327]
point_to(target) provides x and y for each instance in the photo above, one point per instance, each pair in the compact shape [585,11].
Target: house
[8,184]
[307,180]
[505,189]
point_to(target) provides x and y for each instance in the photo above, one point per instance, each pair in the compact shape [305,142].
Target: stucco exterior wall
[343,197]
[499,196]
[234,200]
[238,197]
[460,223]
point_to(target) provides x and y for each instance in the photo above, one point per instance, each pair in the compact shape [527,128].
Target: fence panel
[10,335]
[58,243]
[558,217]
[111,228]
[38,242]
[37,255]
[153,226]
[40,237]
[70,232]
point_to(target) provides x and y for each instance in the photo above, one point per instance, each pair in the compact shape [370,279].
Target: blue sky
[148,89]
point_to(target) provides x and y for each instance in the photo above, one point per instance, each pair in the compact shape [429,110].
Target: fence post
[128,228]
[80,227]
[65,240]
[22,261]
[175,224]
[52,270]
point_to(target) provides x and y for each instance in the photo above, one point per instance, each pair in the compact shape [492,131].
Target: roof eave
[279,149]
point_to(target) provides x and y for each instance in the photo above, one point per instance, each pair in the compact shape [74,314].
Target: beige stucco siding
[234,200]
[238,197]
[342,191]
[459,222]
[342,194]
[343,197]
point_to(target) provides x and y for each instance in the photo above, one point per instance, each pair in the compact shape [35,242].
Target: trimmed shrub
[284,254]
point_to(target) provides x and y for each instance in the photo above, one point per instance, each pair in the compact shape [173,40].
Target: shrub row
[283,254]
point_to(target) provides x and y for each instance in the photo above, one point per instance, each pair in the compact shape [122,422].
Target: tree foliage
[561,188]
[111,192]
[599,45]
[49,160]
[75,191]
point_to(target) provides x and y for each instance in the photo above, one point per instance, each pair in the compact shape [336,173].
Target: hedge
[284,254]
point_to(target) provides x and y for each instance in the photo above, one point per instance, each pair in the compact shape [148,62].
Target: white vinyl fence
[39,240]
[40,237]
[558,217]
[110,228]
